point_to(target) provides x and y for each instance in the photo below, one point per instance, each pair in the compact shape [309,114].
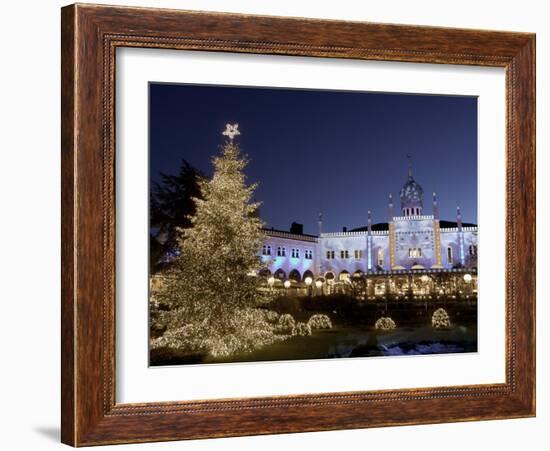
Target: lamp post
[308,280]
[271,282]
[287,286]
[425,279]
[468,280]
[319,285]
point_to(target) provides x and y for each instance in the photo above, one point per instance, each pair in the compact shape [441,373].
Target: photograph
[296,224]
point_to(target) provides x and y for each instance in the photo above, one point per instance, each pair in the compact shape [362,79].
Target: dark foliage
[171,205]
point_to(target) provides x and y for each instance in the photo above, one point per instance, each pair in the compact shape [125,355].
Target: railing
[291,236]
[351,234]
[455,229]
[408,218]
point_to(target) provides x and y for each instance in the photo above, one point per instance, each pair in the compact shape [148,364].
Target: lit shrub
[301,329]
[271,316]
[286,323]
[320,321]
[385,323]
[440,319]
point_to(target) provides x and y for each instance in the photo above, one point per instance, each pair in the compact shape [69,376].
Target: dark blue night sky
[339,153]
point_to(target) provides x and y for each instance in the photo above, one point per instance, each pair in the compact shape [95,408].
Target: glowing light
[424,278]
[271,281]
[287,284]
[308,281]
[231,130]
[467,278]
[318,284]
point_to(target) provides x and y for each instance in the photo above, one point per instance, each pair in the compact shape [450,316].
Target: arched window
[264,272]
[449,254]
[295,275]
[380,257]
[415,252]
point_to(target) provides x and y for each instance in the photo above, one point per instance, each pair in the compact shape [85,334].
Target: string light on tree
[212,300]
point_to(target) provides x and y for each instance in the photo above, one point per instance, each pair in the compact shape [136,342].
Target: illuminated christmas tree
[212,293]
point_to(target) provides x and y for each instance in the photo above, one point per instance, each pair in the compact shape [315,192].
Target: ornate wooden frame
[90,413]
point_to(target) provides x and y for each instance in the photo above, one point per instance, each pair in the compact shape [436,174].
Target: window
[344,254]
[308,254]
[450,254]
[330,255]
[295,253]
[266,250]
[358,253]
[415,252]
[472,249]
[281,252]
[380,257]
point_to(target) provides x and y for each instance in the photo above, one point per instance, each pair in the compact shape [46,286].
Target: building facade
[410,241]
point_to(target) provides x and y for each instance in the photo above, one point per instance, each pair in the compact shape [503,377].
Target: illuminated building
[410,241]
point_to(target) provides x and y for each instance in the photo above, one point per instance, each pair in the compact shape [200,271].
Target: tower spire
[435,206]
[390,208]
[460,234]
[369,241]
[320,221]
[409,160]
[369,221]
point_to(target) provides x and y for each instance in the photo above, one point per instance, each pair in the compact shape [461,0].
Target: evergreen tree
[212,289]
[171,206]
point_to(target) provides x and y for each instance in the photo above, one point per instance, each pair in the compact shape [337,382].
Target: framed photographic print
[279,225]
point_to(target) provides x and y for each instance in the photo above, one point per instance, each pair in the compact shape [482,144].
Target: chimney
[297,229]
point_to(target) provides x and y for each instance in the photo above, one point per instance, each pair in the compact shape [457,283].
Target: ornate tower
[437,233]
[369,241]
[412,196]
[391,227]
[460,234]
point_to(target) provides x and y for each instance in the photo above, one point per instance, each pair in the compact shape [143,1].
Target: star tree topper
[231,130]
